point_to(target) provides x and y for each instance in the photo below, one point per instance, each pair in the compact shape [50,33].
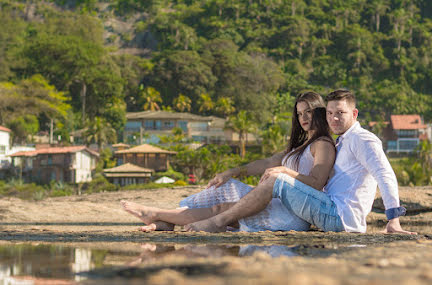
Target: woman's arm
[324,154]
[256,167]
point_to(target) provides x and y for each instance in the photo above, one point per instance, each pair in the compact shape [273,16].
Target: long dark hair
[299,138]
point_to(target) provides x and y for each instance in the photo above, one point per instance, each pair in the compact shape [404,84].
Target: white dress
[275,217]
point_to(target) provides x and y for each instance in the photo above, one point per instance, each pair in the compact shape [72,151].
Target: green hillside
[86,63]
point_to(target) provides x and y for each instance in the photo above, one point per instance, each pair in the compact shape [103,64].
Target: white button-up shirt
[360,164]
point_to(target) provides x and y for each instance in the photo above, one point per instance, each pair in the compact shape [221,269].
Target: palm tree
[205,102]
[273,139]
[100,131]
[151,99]
[425,152]
[182,103]
[224,106]
[380,7]
[241,124]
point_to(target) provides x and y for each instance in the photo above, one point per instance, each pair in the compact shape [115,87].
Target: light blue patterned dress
[275,217]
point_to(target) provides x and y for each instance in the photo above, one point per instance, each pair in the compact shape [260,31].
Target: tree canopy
[241,55]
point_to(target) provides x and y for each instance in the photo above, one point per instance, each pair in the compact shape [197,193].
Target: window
[183,125]
[407,144]
[133,126]
[2,149]
[158,125]
[199,126]
[407,133]
[391,145]
[149,124]
[168,125]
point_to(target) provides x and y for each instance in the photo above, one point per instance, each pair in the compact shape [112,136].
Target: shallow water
[100,260]
[26,263]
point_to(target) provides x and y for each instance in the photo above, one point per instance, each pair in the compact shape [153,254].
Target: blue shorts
[309,204]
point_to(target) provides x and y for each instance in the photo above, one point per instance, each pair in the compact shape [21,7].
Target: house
[149,125]
[403,133]
[71,164]
[4,146]
[146,156]
[127,174]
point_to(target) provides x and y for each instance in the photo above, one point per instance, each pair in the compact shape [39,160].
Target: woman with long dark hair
[309,158]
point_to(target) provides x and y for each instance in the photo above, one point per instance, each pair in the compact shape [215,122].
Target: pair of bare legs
[214,219]
[157,219]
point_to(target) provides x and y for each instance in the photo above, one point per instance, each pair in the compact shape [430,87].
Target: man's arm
[371,155]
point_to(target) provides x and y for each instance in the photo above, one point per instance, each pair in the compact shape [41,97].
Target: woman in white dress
[309,158]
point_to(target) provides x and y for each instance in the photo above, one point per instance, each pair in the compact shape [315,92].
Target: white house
[4,146]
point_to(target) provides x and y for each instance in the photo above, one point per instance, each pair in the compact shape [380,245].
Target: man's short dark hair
[342,94]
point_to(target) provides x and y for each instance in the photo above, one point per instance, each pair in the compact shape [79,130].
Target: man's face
[340,116]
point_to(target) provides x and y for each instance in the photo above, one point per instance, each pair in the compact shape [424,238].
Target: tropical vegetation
[71,65]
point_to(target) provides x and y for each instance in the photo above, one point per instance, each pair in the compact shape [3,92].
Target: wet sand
[97,221]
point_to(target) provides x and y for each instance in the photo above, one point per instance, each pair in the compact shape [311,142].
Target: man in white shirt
[347,198]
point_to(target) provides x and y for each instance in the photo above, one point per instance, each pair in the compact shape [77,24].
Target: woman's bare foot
[157,226]
[145,214]
[205,225]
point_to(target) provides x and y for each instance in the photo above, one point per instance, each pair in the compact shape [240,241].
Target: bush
[251,180]
[410,172]
[59,189]
[170,173]
[28,191]
[99,184]
[180,183]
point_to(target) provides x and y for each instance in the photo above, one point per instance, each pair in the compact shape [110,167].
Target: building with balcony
[72,164]
[147,126]
[403,133]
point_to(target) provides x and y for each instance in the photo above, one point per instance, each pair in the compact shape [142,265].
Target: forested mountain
[79,61]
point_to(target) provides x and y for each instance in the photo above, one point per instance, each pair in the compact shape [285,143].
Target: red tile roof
[5,129]
[407,122]
[55,150]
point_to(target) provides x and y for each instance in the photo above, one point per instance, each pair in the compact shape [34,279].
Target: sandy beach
[97,221]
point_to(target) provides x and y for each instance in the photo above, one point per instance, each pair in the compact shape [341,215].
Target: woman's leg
[182,216]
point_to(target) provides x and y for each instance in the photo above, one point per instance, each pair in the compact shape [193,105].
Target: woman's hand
[273,171]
[220,179]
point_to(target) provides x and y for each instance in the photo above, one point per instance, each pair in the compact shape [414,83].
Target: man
[347,199]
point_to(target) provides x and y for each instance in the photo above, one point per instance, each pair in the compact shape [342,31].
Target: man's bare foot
[205,225]
[145,214]
[157,226]
[394,227]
